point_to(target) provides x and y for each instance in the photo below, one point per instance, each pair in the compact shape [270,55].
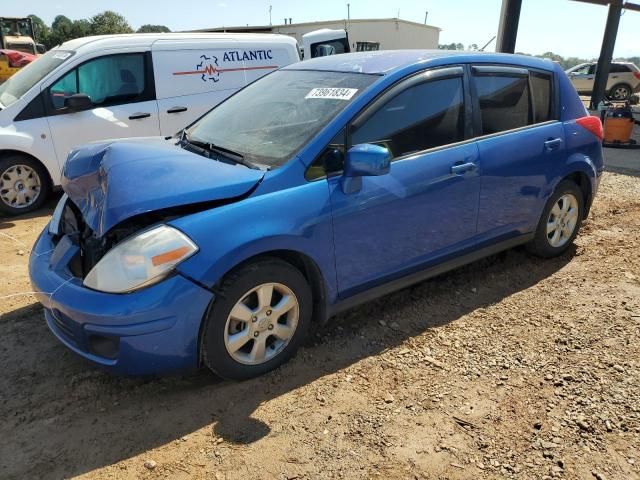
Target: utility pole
[270,7]
[508,27]
[425,16]
[606,53]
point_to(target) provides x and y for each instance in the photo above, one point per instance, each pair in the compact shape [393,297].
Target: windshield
[20,83]
[271,119]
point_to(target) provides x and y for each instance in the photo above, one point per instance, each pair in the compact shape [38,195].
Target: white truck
[97,88]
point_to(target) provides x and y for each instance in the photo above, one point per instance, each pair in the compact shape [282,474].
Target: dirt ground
[512,367]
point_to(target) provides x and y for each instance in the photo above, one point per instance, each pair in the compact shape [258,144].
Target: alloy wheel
[19,186]
[562,220]
[261,323]
[620,93]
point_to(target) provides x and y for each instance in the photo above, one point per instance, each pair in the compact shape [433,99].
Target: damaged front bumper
[154,330]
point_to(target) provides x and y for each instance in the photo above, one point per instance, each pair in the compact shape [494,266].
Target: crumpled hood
[110,182]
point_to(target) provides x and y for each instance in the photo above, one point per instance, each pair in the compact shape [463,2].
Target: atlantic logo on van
[210,70]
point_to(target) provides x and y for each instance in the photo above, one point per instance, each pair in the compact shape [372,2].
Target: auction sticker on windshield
[333,93]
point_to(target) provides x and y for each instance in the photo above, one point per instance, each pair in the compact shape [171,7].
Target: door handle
[463,167]
[139,115]
[177,109]
[552,144]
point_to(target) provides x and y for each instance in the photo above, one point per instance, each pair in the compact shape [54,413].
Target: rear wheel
[24,185]
[620,91]
[259,318]
[560,221]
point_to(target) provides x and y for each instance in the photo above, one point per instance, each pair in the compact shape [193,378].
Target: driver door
[427,205]
[123,97]
[583,78]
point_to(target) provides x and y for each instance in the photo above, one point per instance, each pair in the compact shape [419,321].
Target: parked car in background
[98,88]
[624,79]
[320,186]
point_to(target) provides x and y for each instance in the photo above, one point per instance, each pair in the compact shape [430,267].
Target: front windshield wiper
[227,153]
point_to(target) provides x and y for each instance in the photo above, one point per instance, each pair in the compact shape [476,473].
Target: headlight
[140,260]
[54,224]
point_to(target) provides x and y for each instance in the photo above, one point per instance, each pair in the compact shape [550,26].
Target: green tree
[451,46]
[41,29]
[61,31]
[109,22]
[81,28]
[153,29]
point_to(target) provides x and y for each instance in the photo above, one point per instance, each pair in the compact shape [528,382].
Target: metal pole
[606,53]
[425,16]
[270,7]
[508,26]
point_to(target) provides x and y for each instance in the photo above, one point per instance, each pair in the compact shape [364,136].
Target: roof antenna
[487,44]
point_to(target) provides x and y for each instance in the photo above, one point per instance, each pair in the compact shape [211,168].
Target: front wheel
[560,221]
[24,185]
[259,318]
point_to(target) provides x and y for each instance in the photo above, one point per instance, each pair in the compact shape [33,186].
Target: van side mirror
[364,160]
[40,48]
[78,102]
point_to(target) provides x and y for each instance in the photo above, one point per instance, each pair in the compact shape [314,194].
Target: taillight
[637,75]
[593,124]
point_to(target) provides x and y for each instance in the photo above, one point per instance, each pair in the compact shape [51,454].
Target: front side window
[111,80]
[268,121]
[504,102]
[27,77]
[330,47]
[421,117]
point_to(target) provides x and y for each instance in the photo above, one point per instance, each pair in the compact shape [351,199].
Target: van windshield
[20,83]
[272,118]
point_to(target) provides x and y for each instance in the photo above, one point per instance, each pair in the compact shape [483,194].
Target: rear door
[426,206]
[121,89]
[521,145]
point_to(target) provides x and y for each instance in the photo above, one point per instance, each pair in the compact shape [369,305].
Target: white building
[390,33]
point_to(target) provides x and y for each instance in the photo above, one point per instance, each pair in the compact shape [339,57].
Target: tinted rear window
[504,102]
[619,68]
[542,97]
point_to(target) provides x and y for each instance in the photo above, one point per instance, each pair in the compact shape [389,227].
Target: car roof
[99,42]
[383,62]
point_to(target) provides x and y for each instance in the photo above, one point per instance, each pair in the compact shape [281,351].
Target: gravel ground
[512,367]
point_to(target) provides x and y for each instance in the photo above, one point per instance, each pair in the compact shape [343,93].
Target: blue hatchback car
[318,187]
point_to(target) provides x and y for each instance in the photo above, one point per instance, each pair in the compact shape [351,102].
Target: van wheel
[24,185]
[260,317]
[560,221]
[620,91]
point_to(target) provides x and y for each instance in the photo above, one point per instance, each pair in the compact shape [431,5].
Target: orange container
[618,125]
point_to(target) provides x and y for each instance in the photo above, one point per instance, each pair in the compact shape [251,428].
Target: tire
[24,185]
[620,91]
[548,244]
[243,358]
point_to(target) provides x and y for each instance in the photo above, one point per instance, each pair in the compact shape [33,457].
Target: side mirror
[78,102]
[366,160]
[40,48]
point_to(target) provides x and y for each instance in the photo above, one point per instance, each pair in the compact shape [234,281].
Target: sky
[563,26]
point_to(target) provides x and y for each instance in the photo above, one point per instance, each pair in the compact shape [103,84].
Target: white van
[98,88]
